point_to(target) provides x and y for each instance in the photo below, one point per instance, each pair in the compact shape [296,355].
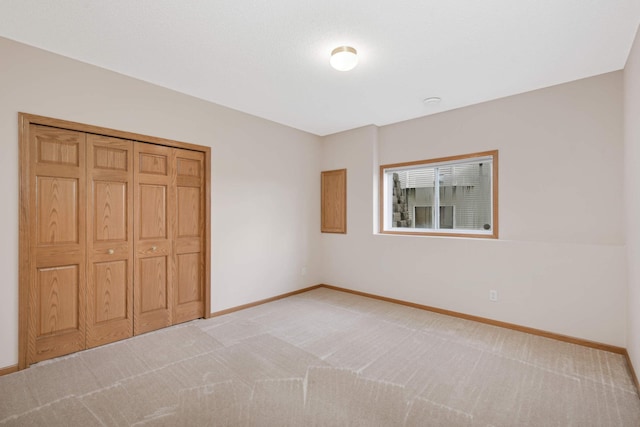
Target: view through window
[449,196]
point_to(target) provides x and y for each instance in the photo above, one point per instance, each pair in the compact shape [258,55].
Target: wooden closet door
[57,183]
[189,239]
[109,240]
[154,205]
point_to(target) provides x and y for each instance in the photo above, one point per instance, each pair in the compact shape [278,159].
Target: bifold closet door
[109,240]
[57,197]
[154,204]
[189,239]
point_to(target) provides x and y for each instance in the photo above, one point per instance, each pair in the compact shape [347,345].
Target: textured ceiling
[271,58]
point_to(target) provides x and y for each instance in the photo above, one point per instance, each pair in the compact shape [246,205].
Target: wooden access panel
[334,201]
[154,207]
[189,239]
[109,240]
[56,293]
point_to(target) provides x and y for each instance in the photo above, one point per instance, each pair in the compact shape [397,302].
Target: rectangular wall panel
[333,210]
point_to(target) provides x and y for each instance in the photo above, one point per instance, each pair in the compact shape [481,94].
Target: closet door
[154,205]
[189,236]
[109,240]
[56,318]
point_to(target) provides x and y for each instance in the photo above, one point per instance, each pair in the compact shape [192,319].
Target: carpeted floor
[326,358]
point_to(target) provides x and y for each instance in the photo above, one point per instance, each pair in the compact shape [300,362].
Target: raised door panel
[111,157]
[153,163]
[189,289]
[110,240]
[58,299]
[153,284]
[57,310]
[187,167]
[189,236]
[189,211]
[112,283]
[153,211]
[57,220]
[110,203]
[154,224]
[57,146]
[57,283]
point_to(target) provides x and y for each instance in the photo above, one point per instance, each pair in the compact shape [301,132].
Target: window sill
[441,233]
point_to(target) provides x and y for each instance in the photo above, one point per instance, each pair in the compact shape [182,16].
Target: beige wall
[559,264]
[265,176]
[632,180]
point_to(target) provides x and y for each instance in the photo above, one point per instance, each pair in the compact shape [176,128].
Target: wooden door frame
[25,120]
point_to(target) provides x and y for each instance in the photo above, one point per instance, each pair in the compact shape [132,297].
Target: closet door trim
[25,223]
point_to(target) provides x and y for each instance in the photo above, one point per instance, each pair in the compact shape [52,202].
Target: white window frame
[386,207]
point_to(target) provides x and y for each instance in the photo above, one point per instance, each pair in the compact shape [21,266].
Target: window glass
[448,196]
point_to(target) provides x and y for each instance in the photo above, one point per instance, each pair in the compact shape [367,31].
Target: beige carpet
[326,358]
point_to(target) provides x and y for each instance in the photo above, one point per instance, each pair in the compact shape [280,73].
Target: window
[453,196]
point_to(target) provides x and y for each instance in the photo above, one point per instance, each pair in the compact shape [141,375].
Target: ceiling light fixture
[344,58]
[431,100]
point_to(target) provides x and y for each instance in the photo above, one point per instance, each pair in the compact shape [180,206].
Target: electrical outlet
[303,271]
[493,295]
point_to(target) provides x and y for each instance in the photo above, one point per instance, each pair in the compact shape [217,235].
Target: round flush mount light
[431,100]
[344,58]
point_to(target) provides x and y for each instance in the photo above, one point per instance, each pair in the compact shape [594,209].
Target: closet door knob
[154,248]
[110,251]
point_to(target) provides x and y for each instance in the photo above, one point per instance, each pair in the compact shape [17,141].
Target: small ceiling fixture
[431,100]
[344,58]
